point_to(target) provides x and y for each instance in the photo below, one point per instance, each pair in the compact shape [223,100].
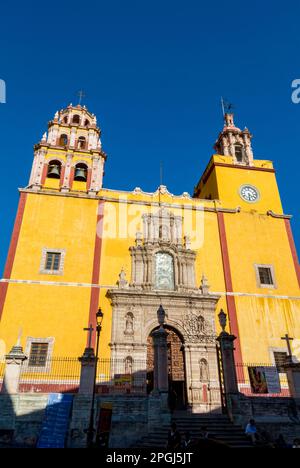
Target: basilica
[77,246]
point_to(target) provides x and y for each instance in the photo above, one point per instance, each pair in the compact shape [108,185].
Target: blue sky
[153,72]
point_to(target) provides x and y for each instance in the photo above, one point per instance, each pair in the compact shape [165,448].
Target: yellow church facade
[77,246]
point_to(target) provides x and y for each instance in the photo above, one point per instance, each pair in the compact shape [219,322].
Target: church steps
[219,426]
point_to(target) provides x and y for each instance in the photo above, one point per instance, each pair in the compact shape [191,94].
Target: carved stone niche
[160,260]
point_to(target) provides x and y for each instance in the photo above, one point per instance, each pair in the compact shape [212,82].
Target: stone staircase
[219,427]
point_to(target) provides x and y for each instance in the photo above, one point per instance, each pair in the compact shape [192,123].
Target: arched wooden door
[176,368]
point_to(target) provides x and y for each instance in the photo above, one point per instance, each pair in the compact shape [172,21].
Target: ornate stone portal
[163,272]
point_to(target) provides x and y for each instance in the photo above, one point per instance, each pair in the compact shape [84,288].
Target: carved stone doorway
[176,369]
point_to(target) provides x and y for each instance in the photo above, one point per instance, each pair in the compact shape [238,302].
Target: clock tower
[234,176]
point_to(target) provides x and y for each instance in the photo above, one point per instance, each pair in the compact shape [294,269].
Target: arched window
[54,169]
[128,365]
[80,172]
[81,142]
[65,119]
[63,140]
[239,153]
[164,271]
[76,119]
[86,123]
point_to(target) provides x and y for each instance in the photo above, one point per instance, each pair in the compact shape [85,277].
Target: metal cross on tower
[287,338]
[80,94]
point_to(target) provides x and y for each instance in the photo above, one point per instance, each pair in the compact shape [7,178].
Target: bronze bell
[54,171]
[80,174]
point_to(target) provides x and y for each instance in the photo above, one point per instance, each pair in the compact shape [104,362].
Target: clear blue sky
[153,72]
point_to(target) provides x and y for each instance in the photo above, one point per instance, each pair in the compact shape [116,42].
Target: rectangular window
[280,360]
[265,276]
[38,354]
[52,261]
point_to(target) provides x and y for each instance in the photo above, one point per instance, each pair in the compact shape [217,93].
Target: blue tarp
[56,421]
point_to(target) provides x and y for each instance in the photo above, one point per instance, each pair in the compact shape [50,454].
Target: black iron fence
[129,376]
[263,380]
[62,375]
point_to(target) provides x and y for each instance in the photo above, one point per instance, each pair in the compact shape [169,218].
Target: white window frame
[60,271]
[31,339]
[259,284]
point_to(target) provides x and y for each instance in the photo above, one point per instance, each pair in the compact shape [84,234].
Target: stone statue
[122,282]
[203,370]
[129,324]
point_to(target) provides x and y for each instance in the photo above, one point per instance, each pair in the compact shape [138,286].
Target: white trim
[258,282]
[110,286]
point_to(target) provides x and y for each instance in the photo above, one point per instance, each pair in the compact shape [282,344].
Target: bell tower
[235,142]
[69,156]
[234,177]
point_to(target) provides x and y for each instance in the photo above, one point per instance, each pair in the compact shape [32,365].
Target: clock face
[249,193]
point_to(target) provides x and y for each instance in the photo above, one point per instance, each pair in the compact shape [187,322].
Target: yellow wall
[69,222]
[41,310]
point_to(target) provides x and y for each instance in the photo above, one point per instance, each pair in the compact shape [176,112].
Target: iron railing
[62,374]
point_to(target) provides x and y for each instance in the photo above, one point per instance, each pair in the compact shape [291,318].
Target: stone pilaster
[66,182]
[229,371]
[88,362]
[293,376]
[14,362]
[161,383]
[35,180]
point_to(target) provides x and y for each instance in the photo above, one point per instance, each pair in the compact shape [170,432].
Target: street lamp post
[91,430]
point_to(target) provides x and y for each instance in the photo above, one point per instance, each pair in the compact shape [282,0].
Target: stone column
[37,170]
[229,372]
[161,383]
[293,376]
[88,362]
[14,362]
[66,181]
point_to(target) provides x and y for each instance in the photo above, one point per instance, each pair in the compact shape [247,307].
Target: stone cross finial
[161,315]
[90,335]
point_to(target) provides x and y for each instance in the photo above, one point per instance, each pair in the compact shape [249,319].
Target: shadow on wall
[34,420]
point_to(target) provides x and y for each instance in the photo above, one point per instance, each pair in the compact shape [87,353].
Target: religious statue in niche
[204,375]
[128,365]
[129,319]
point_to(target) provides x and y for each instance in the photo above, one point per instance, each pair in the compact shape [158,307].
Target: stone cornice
[278,216]
[80,194]
[142,295]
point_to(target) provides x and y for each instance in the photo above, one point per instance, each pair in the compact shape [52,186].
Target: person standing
[174,438]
